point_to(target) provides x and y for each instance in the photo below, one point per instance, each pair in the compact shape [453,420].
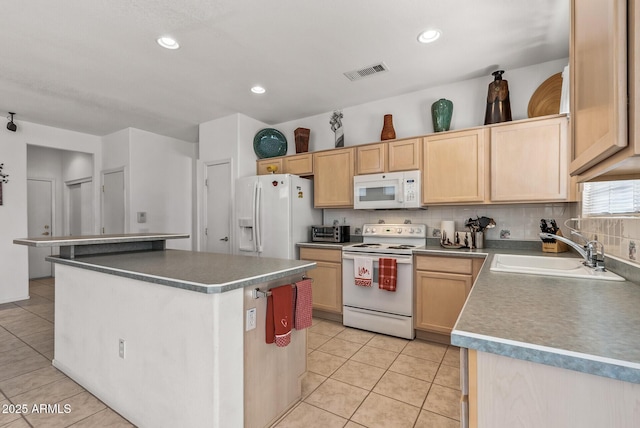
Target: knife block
[555,247]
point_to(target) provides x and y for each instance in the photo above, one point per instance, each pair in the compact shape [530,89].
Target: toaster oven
[339,233]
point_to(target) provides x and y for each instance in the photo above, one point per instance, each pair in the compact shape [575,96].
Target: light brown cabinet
[333,178]
[529,161]
[371,158]
[605,66]
[442,284]
[327,278]
[269,166]
[455,167]
[301,164]
[405,155]
[392,156]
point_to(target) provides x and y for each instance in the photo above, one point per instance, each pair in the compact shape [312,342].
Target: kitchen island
[159,336]
[550,351]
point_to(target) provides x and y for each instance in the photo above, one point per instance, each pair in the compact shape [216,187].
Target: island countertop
[190,270]
[585,325]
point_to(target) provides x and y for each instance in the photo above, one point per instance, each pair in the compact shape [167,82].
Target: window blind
[611,197]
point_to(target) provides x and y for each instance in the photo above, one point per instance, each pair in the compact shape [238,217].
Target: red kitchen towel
[279,315]
[303,304]
[387,274]
[363,271]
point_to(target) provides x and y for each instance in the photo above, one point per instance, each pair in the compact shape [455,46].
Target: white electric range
[372,308]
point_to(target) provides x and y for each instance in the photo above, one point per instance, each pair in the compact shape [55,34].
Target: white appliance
[274,213]
[372,308]
[387,191]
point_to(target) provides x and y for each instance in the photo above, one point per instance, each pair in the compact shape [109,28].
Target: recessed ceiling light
[168,42]
[429,36]
[258,90]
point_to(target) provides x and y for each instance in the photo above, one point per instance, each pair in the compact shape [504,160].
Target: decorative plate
[546,99]
[269,143]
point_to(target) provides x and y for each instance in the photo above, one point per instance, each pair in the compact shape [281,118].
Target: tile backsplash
[620,235]
[516,222]
[520,222]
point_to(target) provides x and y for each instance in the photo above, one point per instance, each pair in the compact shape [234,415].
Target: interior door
[113,208]
[40,199]
[218,191]
[80,208]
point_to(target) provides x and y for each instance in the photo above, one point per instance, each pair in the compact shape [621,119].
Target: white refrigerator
[273,213]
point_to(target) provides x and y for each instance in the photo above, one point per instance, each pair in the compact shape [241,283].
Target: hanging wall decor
[4,178]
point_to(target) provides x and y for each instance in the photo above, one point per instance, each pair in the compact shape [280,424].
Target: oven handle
[399,258]
[380,314]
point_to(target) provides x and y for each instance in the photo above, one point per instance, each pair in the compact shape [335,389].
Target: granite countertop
[55,241]
[585,325]
[190,270]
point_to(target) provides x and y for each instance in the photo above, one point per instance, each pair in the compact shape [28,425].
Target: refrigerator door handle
[258,218]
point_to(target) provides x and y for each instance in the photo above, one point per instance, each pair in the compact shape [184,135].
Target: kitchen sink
[569,267]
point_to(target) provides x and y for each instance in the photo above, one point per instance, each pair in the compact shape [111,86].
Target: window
[611,197]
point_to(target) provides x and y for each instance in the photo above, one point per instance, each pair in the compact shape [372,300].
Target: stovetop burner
[401,247]
[374,245]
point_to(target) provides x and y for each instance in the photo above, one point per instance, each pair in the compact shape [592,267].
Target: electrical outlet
[121,348]
[251,319]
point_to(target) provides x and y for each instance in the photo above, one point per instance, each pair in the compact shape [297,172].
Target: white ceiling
[94,66]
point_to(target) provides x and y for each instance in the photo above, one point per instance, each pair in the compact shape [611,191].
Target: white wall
[412,112]
[14,272]
[161,180]
[44,162]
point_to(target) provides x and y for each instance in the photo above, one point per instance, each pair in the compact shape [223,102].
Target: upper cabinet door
[455,167]
[598,69]
[405,155]
[371,158]
[333,178]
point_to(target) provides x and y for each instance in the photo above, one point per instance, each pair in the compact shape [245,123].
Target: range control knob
[411,230]
[399,230]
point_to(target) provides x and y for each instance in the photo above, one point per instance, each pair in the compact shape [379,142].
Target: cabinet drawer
[321,254]
[444,264]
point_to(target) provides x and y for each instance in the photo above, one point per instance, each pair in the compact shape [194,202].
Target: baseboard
[15,299]
[434,337]
[330,316]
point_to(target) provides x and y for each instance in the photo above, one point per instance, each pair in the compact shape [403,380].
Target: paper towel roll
[447,230]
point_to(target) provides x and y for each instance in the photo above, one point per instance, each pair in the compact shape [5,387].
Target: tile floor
[355,378]
[361,379]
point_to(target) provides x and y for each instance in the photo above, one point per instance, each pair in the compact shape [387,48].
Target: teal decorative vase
[441,112]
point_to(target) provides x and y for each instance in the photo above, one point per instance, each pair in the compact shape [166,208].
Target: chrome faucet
[592,257]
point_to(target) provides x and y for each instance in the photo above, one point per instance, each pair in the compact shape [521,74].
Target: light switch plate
[142,217]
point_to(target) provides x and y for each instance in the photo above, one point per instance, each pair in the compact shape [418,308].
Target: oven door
[378,191]
[399,302]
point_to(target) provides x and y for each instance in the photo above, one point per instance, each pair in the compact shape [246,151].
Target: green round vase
[441,112]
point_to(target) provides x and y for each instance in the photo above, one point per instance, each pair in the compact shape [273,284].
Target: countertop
[590,326]
[585,325]
[55,241]
[190,270]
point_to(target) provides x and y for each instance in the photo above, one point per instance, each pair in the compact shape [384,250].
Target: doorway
[79,212]
[218,191]
[113,202]
[40,222]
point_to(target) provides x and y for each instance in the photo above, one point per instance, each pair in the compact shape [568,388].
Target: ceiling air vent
[367,71]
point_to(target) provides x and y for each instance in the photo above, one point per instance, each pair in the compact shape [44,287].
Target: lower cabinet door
[327,286]
[439,299]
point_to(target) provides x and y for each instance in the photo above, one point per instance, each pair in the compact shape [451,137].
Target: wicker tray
[546,99]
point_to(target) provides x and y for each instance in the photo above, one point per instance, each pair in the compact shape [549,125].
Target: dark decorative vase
[388,133]
[302,139]
[441,112]
[498,104]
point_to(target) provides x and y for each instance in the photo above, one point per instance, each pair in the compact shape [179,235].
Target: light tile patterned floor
[355,378]
[27,377]
[361,379]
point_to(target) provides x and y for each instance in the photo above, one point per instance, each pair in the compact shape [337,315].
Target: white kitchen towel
[363,271]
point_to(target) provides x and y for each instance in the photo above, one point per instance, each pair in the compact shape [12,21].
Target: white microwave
[386,191]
